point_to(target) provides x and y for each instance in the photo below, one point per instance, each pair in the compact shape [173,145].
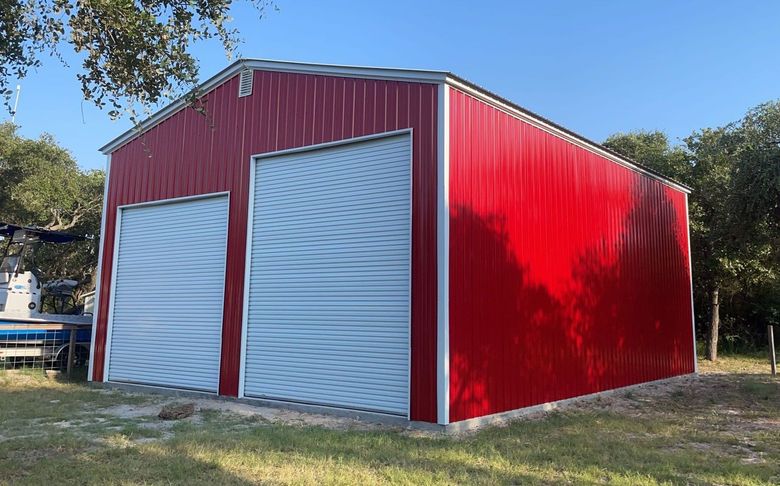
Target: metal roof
[396,74]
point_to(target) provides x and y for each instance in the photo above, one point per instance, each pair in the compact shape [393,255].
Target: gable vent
[245,83]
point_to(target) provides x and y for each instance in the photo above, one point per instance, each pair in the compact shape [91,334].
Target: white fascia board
[366,72]
[515,111]
[389,74]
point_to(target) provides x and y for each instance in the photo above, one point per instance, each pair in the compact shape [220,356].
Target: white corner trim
[690,275]
[99,270]
[443,259]
[571,138]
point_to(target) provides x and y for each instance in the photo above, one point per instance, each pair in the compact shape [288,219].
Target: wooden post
[71,349]
[772,357]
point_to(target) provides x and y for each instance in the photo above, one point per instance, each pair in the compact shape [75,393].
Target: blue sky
[594,67]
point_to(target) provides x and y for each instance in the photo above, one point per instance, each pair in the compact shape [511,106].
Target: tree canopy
[132,52]
[43,186]
[652,149]
[734,173]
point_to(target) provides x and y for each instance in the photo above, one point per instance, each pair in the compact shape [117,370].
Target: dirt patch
[147,415]
[284,416]
[131,411]
[176,411]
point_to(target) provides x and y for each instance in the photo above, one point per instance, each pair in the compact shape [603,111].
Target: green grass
[722,428]
[755,363]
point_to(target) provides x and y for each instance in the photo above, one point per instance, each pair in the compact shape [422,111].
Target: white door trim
[248,256]
[250,214]
[334,143]
[115,258]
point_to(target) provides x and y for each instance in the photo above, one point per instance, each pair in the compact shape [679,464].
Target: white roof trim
[391,74]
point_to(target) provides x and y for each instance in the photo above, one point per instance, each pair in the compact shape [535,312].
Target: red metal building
[397,241]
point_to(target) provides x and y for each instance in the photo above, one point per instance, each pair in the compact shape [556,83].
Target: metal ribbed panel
[328,318]
[189,154]
[168,296]
[569,273]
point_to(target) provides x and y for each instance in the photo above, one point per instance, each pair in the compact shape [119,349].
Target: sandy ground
[679,395]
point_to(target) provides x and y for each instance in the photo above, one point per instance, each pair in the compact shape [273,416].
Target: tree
[734,173]
[43,186]
[712,238]
[652,149]
[703,163]
[131,51]
[757,176]
[756,205]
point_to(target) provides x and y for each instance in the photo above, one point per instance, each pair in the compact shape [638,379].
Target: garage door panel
[346,167]
[361,225]
[345,397]
[356,217]
[339,175]
[328,310]
[385,185]
[168,294]
[326,200]
[313,378]
[184,256]
[134,239]
[164,338]
[163,297]
[142,221]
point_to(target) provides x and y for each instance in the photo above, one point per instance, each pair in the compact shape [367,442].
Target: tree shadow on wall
[507,333]
[631,303]
[514,344]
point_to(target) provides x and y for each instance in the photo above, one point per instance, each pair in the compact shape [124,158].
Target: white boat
[27,333]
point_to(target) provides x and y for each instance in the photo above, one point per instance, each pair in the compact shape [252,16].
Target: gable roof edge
[391,74]
[395,74]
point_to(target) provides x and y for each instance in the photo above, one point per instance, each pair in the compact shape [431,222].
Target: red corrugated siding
[568,273]
[191,154]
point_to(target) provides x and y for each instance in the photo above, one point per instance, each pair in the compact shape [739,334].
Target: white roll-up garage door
[167,299]
[328,310]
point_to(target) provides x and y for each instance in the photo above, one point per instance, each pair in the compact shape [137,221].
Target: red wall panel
[190,154]
[569,274]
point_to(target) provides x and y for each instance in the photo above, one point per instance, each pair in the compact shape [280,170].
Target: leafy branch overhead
[133,52]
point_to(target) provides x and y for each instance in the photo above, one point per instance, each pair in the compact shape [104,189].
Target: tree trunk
[712,349]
